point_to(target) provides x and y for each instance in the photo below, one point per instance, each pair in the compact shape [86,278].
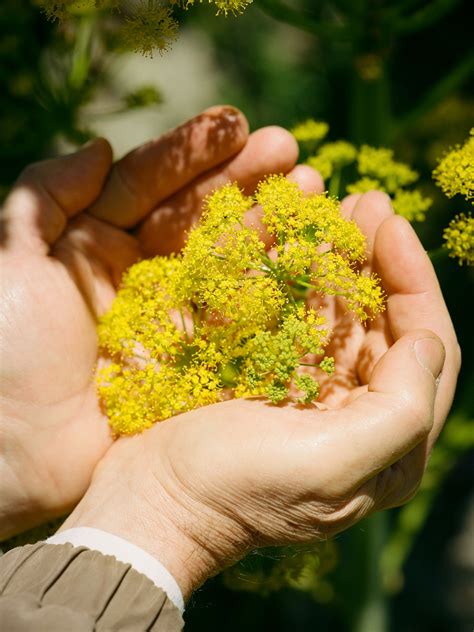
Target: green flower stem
[183,323]
[438,254]
[372,612]
[81,56]
[457,438]
[370,114]
[335,183]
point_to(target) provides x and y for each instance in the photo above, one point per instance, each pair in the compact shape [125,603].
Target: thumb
[396,413]
[411,367]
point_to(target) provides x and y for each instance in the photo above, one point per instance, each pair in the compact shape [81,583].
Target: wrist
[188,540]
[158,537]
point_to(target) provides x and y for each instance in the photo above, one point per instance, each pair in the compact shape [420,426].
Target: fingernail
[430,355]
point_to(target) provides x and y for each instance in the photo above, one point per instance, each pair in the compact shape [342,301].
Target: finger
[387,422]
[48,193]
[348,204]
[369,211]
[268,150]
[89,245]
[308,180]
[146,176]
[354,360]
[377,341]
[415,300]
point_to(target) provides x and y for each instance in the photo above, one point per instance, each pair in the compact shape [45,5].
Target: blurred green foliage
[394,73]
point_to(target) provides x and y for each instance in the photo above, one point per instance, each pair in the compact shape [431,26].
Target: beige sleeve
[58,587]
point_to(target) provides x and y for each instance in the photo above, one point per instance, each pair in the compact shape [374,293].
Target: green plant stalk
[370,113]
[372,613]
[457,438]
[81,56]
[370,122]
[335,183]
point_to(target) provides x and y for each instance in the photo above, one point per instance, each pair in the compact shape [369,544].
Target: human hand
[61,265]
[199,490]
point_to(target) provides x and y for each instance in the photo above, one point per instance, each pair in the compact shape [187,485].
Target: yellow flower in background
[455,172]
[375,169]
[455,176]
[364,185]
[378,163]
[224,319]
[223,6]
[151,26]
[147,25]
[339,153]
[459,238]
[310,130]
[411,205]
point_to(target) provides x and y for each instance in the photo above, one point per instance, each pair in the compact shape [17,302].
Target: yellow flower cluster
[310,130]
[333,157]
[375,165]
[455,172]
[411,205]
[379,171]
[225,319]
[150,27]
[455,175]
[60,9]
[222,6]
[378,163]
[459,237]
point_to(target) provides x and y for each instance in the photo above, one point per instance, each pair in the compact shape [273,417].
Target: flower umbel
[150,27]
[375,166]
[455,172]
[224,319]
[459,238]
[310,130]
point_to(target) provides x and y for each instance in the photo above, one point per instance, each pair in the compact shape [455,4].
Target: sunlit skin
[197,491]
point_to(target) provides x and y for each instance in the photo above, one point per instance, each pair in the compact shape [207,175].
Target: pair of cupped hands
[201,489]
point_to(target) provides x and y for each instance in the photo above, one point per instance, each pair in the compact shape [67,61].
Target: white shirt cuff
[126,552]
